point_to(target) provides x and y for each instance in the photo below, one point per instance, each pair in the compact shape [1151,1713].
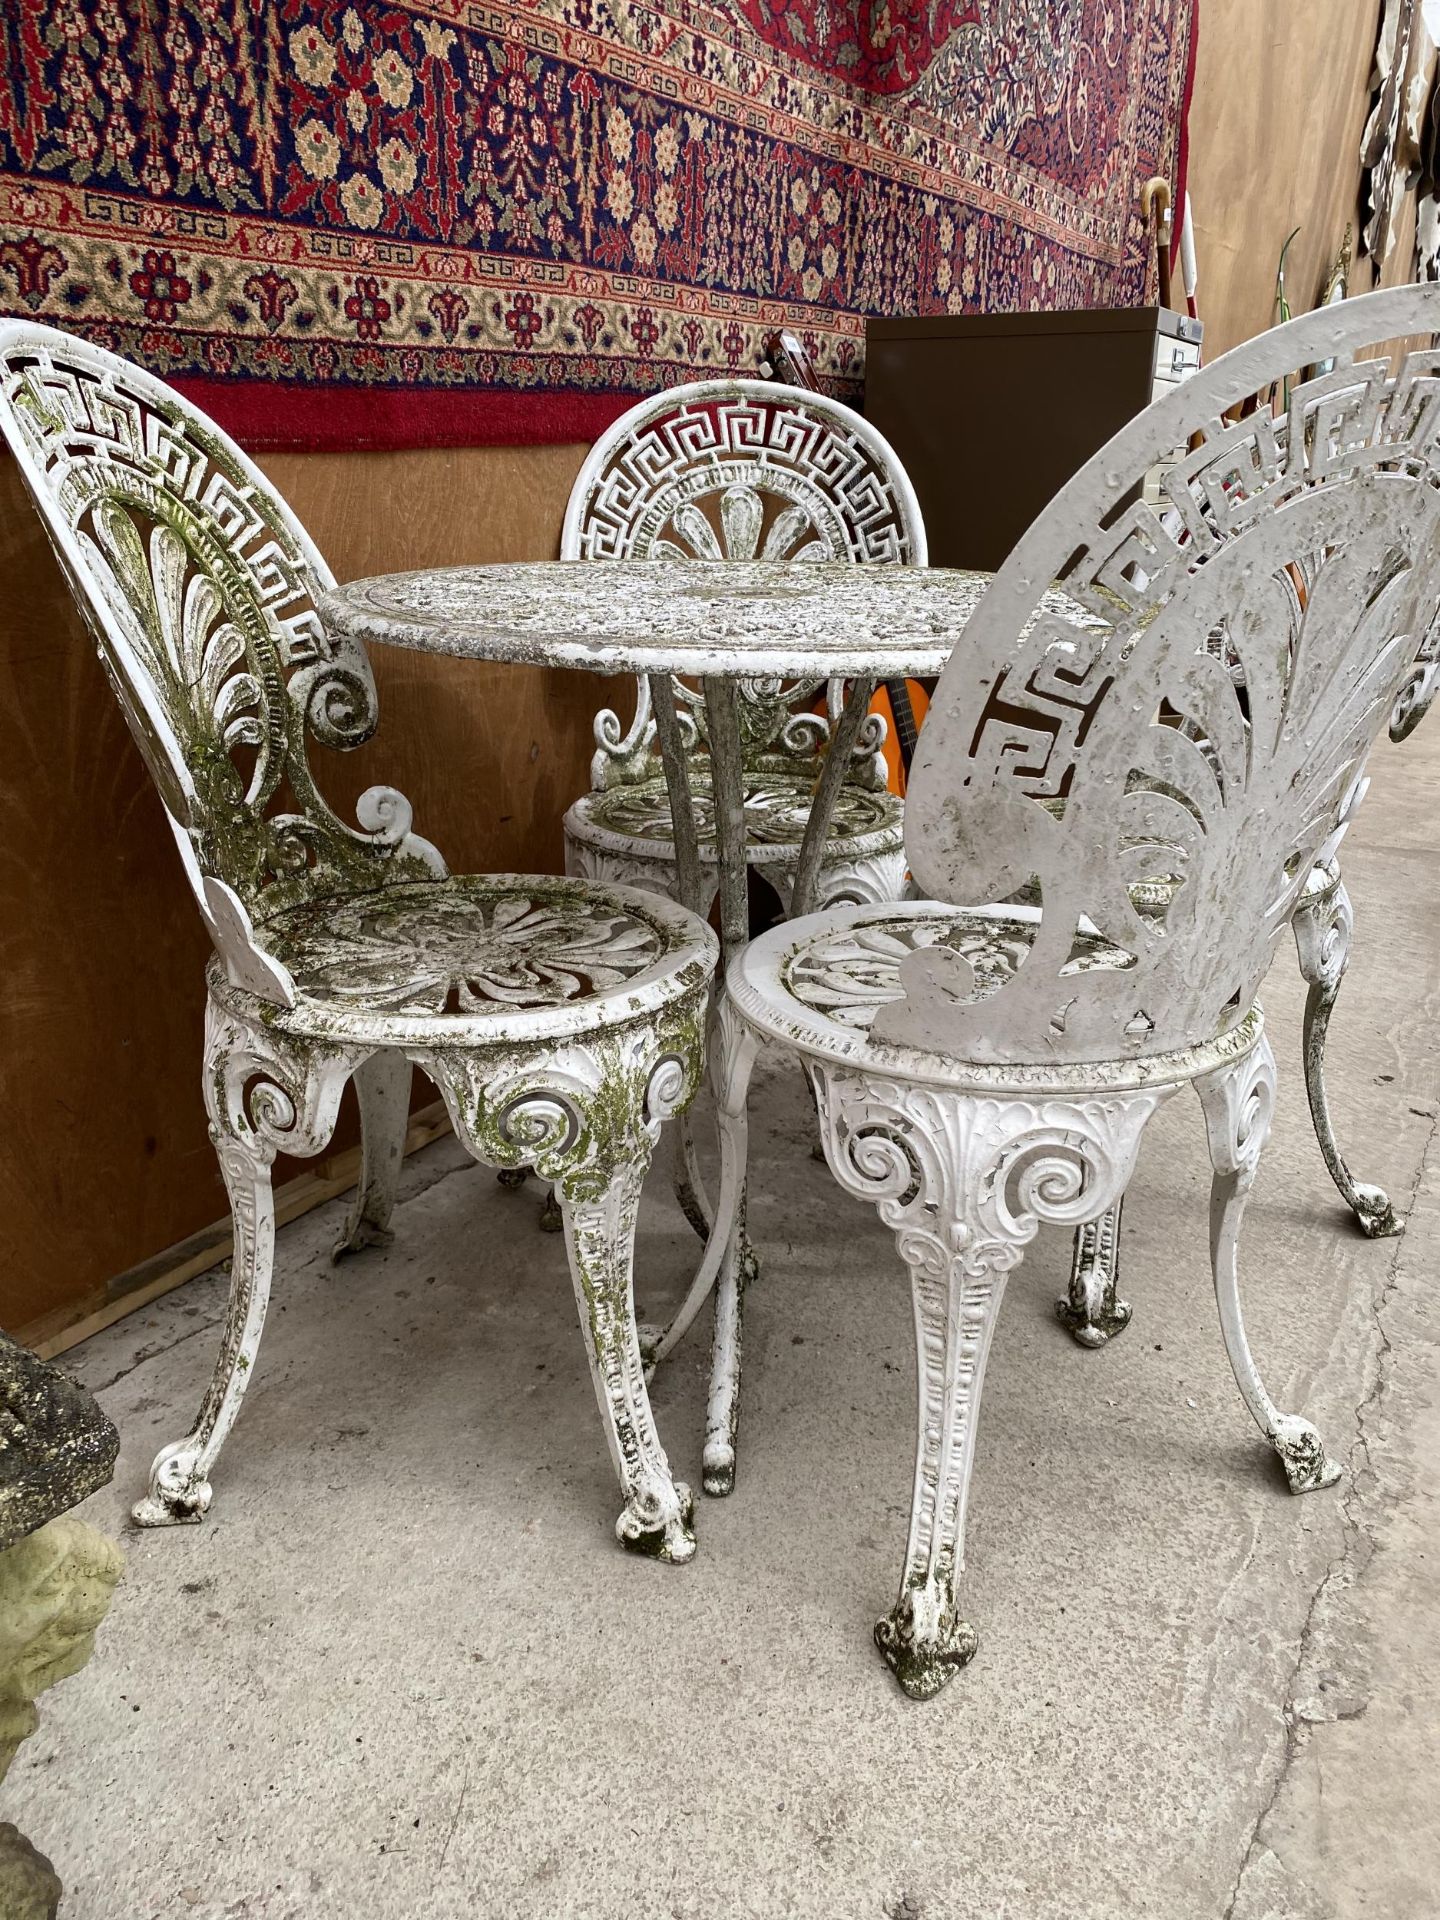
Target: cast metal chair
[560,1021]
[739,470]
[1142,803]
[742,470]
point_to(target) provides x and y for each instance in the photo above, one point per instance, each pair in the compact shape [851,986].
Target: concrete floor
[404,1669]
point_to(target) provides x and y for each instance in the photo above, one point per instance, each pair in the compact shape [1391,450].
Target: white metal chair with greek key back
[742,470]
[560,1021]
[983,1069]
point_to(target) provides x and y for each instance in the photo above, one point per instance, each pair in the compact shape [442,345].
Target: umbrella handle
[1155,205]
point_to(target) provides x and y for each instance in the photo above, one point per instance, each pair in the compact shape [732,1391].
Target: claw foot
[1302,1453]
[551,1218]
[1092,1309]
[1374,1215]
[717,1469]
[178,1495]
[660,1527]
[1093,1326]
[924,1644]
[355,1239]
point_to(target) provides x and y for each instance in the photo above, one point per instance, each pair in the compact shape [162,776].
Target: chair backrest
[198,585]
[741,470]
[1246,644]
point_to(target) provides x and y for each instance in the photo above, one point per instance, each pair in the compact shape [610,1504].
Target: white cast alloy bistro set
[1148,737]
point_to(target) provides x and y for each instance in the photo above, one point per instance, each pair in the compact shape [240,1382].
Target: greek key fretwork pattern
[199,586]
[1169,775]
[741,470]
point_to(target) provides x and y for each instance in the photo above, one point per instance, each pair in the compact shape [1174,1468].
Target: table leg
[822,810]
[737,1267]
[727,778]
[677,786]
[730,1258]
[827,794]
[689,874]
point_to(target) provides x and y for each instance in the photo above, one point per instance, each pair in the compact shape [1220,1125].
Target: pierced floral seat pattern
[777,807]
[846,974]
[470,946]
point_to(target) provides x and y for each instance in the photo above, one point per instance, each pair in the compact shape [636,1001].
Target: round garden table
[718,621]
[721,622]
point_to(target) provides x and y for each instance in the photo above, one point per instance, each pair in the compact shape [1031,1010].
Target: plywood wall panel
[104,1145]
[1281,96]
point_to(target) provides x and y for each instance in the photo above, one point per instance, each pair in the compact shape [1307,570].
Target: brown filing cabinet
[992,413]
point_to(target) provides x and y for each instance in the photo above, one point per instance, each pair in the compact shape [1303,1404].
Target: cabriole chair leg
[1092,1308]
[1323,924]
[963,1182]
[923,1639]
[658,1514]
[180,1475]
[382,1088]
[260,1100]
[1238,1101]
[587,1116]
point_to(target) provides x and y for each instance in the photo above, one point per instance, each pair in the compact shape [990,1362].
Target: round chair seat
[635,819]
[817,984]
[481,958]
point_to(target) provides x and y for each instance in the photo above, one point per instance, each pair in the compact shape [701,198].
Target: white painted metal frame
[980,1072]
[785,619]
[562,1023]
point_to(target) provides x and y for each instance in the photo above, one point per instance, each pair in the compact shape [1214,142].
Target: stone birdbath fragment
[57,1574]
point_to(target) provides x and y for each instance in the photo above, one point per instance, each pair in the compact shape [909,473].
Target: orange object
[919,701]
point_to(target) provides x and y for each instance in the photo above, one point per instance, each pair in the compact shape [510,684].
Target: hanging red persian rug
[348,223]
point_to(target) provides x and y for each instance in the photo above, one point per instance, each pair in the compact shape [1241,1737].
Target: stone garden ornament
[1141,802]
[561,1022]
[57,1574]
